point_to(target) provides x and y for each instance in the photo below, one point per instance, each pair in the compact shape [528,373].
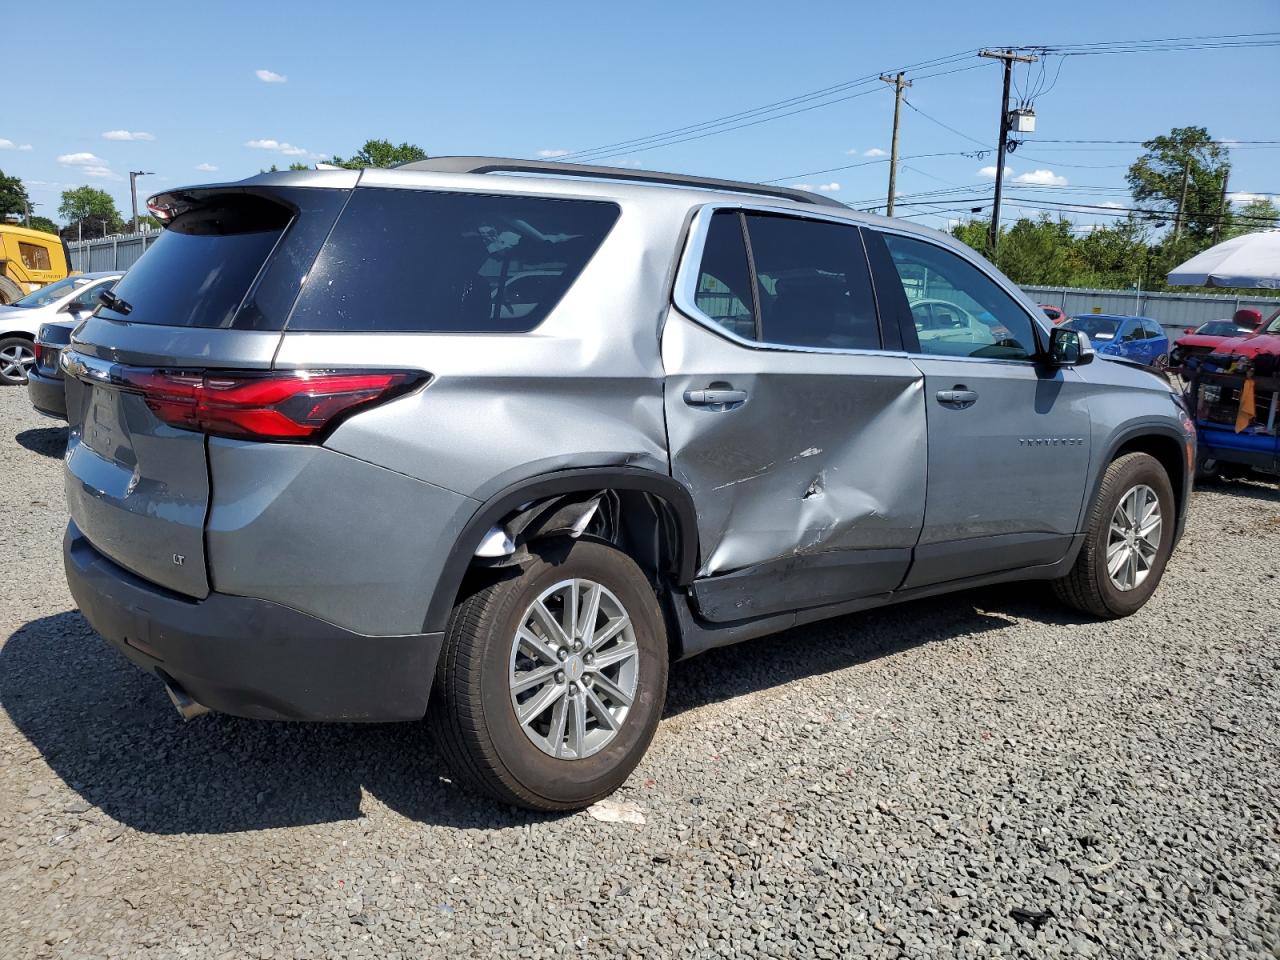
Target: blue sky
[218,91]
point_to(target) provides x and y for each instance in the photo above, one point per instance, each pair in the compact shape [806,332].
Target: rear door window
[813,283]
[434,262]
[724,276]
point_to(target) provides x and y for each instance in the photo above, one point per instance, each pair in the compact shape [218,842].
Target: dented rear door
[807,463]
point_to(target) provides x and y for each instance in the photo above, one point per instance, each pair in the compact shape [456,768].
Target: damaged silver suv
[497,441]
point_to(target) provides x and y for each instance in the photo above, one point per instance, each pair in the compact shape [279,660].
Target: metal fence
[110,253]
[1175,311]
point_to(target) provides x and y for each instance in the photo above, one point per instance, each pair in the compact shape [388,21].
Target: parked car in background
[1139,339]
[599,420]
[29,260]
[1205,339]
[70,299]
[44,379]
[1264,339]
[1055,314]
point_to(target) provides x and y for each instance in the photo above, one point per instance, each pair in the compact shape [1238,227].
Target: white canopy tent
[1252,260]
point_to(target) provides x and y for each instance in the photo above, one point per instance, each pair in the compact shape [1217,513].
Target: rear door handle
[715,398]
[958,398]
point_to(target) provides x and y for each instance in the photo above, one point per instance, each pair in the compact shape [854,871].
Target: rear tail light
[38,350]
[297,405]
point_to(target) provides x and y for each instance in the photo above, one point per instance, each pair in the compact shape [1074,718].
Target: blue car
[1139,339]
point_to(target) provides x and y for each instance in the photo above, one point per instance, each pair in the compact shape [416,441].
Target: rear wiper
[112,302]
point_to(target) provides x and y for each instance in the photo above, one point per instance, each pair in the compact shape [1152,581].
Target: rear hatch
[211,295]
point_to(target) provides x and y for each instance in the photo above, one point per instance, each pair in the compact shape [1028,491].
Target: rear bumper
[249,657]
[47,394]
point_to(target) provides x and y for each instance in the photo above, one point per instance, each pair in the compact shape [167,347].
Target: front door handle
[958,398]
[722,398]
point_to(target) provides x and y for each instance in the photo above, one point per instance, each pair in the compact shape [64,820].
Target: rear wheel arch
[642,499]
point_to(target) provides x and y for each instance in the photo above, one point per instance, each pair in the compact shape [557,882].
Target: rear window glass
[198,271]
[419,261]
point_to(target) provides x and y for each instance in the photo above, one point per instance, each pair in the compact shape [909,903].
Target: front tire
[551,682]
[1129,539]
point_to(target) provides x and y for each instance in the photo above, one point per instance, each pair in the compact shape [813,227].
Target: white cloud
[1111,204]
[10,145]
[875,152]
[127,135]
[990,172]
[1046,178]
[279,146]
[101,173]
[552,154]
[270,76]
[831,187]
[206,167]
[1242,198]
[81,160]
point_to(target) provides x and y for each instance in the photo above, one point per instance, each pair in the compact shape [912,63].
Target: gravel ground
[977,776]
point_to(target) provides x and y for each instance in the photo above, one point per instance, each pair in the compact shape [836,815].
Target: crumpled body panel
[828,452]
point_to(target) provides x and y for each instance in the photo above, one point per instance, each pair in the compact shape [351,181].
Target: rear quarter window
[435,262]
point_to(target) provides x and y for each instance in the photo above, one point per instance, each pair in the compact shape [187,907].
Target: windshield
[1097,328]
[1222,328]
[1273,326]
[50,293]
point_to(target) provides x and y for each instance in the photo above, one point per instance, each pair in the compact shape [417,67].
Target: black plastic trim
[250,657]
[579,480]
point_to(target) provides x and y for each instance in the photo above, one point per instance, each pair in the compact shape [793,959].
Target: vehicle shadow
[108,730]
[1254,489]
[47,441]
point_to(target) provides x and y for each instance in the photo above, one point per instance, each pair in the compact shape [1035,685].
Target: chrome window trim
[1009,288]
[684,292]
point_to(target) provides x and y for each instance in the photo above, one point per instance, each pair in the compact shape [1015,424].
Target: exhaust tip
[187,708]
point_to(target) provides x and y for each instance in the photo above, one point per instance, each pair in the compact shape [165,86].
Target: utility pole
[1009,58]
[1182,204]
[1222,207]
[899,84]
[133,193]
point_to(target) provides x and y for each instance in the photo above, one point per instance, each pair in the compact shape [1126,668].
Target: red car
[1055,314]
[1205,339]
[1265,339]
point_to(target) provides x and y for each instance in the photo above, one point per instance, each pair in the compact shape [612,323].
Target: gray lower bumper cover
[249,657]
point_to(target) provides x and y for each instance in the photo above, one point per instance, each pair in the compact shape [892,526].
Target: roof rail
[505,165]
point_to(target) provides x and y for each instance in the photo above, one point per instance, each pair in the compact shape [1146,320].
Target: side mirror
[1069,348]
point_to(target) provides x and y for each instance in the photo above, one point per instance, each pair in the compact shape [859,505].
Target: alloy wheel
[16,361]
[1133,539]
[574,669]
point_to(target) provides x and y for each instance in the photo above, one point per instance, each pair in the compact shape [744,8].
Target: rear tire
[9,291]
[1133,485]
[498,639]
[17,357]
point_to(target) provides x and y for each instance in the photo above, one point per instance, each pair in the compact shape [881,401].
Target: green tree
[1186,155]
[381,153]
[44,224]
[1260,213]
[1038,251]
[293,166]
[13,195]
[89,212]
[1111,257]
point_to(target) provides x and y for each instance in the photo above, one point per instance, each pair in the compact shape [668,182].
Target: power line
[867,163]
[755,114]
